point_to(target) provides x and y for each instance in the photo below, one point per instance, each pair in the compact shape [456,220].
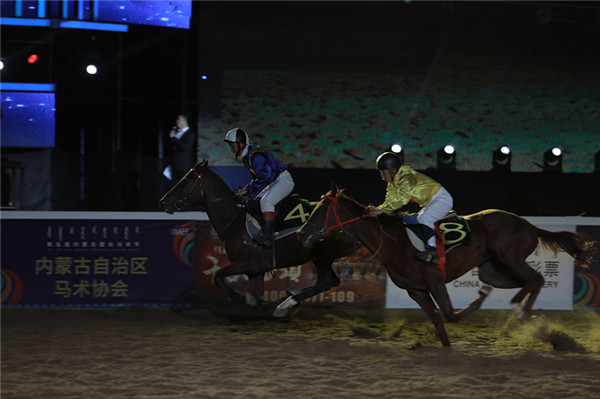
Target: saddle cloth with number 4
[290,214]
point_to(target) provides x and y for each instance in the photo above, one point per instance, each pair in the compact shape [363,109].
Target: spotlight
[1,65]
[446,157]
[501,159]
[398,150]
[91,69]
[553,160]
[33,58]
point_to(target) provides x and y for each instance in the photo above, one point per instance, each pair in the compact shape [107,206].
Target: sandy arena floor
[157,353]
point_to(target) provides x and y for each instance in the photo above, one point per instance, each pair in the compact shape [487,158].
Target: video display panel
[28,119]
[172,14]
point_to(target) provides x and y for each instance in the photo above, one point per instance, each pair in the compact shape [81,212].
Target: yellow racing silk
[408,184]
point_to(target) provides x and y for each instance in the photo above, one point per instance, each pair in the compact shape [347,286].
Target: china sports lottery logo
[12,288]
[183,242]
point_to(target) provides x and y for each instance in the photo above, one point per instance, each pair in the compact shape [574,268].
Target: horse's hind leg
[533,286]
[423,299]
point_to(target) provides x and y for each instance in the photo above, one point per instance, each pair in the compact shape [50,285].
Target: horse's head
[324,221]
[187,191]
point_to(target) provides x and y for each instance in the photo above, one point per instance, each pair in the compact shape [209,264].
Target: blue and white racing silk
[263,166]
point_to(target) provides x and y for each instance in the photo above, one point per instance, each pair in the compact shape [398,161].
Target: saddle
[290,213]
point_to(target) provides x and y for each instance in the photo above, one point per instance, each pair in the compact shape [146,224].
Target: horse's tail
[575,244]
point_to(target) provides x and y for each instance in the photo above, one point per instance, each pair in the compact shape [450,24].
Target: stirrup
[429,255]
[263,240]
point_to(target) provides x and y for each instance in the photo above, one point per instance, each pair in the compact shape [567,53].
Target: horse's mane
[342,194]
[217,177]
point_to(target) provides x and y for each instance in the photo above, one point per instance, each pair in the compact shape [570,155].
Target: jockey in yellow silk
[405,184]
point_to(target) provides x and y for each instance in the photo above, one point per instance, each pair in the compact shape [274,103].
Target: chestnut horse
[500,243]
[203,187]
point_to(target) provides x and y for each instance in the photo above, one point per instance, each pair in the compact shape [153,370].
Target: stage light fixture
[553,160]
[398,150]
[501,159]
[446,157]
[91,69]
[33,58]
[1,65]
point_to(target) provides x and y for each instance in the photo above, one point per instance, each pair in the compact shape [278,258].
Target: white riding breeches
[439,206]
[276,191]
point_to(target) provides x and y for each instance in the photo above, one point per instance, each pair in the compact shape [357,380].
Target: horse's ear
[201,164]
[334,188]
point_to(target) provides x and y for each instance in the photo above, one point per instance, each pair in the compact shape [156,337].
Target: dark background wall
[149,75]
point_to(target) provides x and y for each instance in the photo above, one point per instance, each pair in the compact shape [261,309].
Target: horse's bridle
[339,223]
[185,201]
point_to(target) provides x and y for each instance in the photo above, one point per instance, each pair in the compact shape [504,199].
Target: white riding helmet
[237,135]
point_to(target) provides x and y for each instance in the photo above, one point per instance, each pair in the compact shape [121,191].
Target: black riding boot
[266,235]
[429,255]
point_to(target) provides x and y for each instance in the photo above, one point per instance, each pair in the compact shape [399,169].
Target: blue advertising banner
[95,262]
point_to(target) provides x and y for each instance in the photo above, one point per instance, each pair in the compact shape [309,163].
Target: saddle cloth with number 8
[454,231]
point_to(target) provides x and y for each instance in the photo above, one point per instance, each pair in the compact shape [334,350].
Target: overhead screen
[172,14]
[27,119]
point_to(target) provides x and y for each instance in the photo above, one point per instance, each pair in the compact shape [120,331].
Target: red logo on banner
[12,288]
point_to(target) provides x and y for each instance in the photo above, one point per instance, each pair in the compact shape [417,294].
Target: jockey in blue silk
[271,180]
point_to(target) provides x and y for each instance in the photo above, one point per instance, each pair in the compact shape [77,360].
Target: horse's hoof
[485,290]
[250,300]
[284,307]
[519,313]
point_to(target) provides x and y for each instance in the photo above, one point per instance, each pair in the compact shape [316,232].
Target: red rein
[340,224]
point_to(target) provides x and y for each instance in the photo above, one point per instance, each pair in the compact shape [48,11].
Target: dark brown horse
[204,188]
[500,243]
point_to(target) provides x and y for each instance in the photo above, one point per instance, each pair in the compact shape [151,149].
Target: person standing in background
[182,144]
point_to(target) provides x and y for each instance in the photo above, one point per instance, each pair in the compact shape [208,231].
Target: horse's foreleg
[326,279]
[257,287]
[233,269]
[437,287]
[423,299]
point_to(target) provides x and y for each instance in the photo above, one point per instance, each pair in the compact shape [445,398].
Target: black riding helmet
[388,160]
